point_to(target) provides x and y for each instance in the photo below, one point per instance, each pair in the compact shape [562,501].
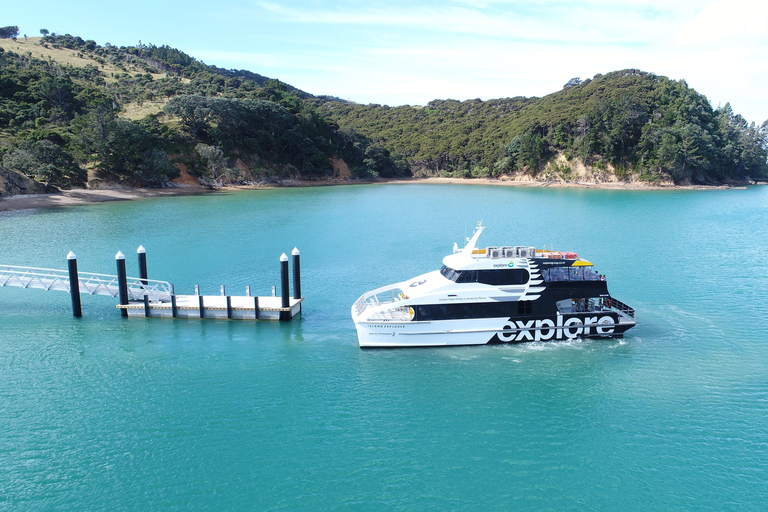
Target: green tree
[560,136]
[154,168]
[528,150]
[9,32]
[216,162]
[124,150]
[56,92]
[195,111]
[132,154]
[46,162]
[584,125]
[573,82]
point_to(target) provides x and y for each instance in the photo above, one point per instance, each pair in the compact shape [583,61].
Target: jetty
[150,298]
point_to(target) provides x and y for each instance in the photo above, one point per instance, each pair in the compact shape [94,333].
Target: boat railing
[611,303]
[378,298]
[605,304]
[360,305]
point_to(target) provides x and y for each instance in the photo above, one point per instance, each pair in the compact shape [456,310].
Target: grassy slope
[66,57]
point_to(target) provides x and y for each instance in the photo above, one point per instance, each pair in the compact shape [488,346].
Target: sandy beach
[84,196]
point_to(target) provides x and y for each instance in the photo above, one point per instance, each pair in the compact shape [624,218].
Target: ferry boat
[493,295]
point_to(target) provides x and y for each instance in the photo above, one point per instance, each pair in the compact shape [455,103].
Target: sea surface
[106,413]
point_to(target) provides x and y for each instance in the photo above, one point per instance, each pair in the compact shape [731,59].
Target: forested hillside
[630,124]
[73,113]
[68,108]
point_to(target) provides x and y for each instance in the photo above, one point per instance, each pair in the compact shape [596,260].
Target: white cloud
[560,24]
[409,53]
[721,21]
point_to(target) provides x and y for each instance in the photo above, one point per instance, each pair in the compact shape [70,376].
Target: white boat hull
[482,331]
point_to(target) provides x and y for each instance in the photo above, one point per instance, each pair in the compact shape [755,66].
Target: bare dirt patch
[340,168]
[185,178]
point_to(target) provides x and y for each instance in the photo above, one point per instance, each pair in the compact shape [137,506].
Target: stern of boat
[626,314]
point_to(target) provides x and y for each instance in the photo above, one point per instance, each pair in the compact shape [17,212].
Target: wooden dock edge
[166,310]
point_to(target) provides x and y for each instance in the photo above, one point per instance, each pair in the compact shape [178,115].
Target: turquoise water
[102,413]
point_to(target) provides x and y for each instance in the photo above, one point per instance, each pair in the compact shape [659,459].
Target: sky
[410,52]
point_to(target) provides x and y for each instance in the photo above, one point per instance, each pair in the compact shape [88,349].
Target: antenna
[479,226]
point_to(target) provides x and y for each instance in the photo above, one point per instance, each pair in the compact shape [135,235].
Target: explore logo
[560,328]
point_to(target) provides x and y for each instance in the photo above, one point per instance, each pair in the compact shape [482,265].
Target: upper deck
[472,257]
[508,256]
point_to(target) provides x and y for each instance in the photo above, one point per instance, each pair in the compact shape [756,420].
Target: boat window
[591,275]
[495,277]
[524,307]
[463,311]
[505,276]
[467,276]
[558,274]
[570,274]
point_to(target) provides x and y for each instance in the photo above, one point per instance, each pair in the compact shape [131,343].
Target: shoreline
[77,197]
[559,184]
[81,196]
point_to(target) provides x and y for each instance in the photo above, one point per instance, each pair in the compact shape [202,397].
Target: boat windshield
[449,273]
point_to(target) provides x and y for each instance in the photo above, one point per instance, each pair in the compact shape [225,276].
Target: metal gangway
[89,283]
[140,296]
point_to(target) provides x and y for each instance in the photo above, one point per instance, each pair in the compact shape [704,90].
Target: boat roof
[470,257]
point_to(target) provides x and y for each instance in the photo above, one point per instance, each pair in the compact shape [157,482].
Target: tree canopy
[261,125]
[629,120]
[9,32]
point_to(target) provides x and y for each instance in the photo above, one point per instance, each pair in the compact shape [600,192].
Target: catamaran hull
[493,295]
[440,333]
